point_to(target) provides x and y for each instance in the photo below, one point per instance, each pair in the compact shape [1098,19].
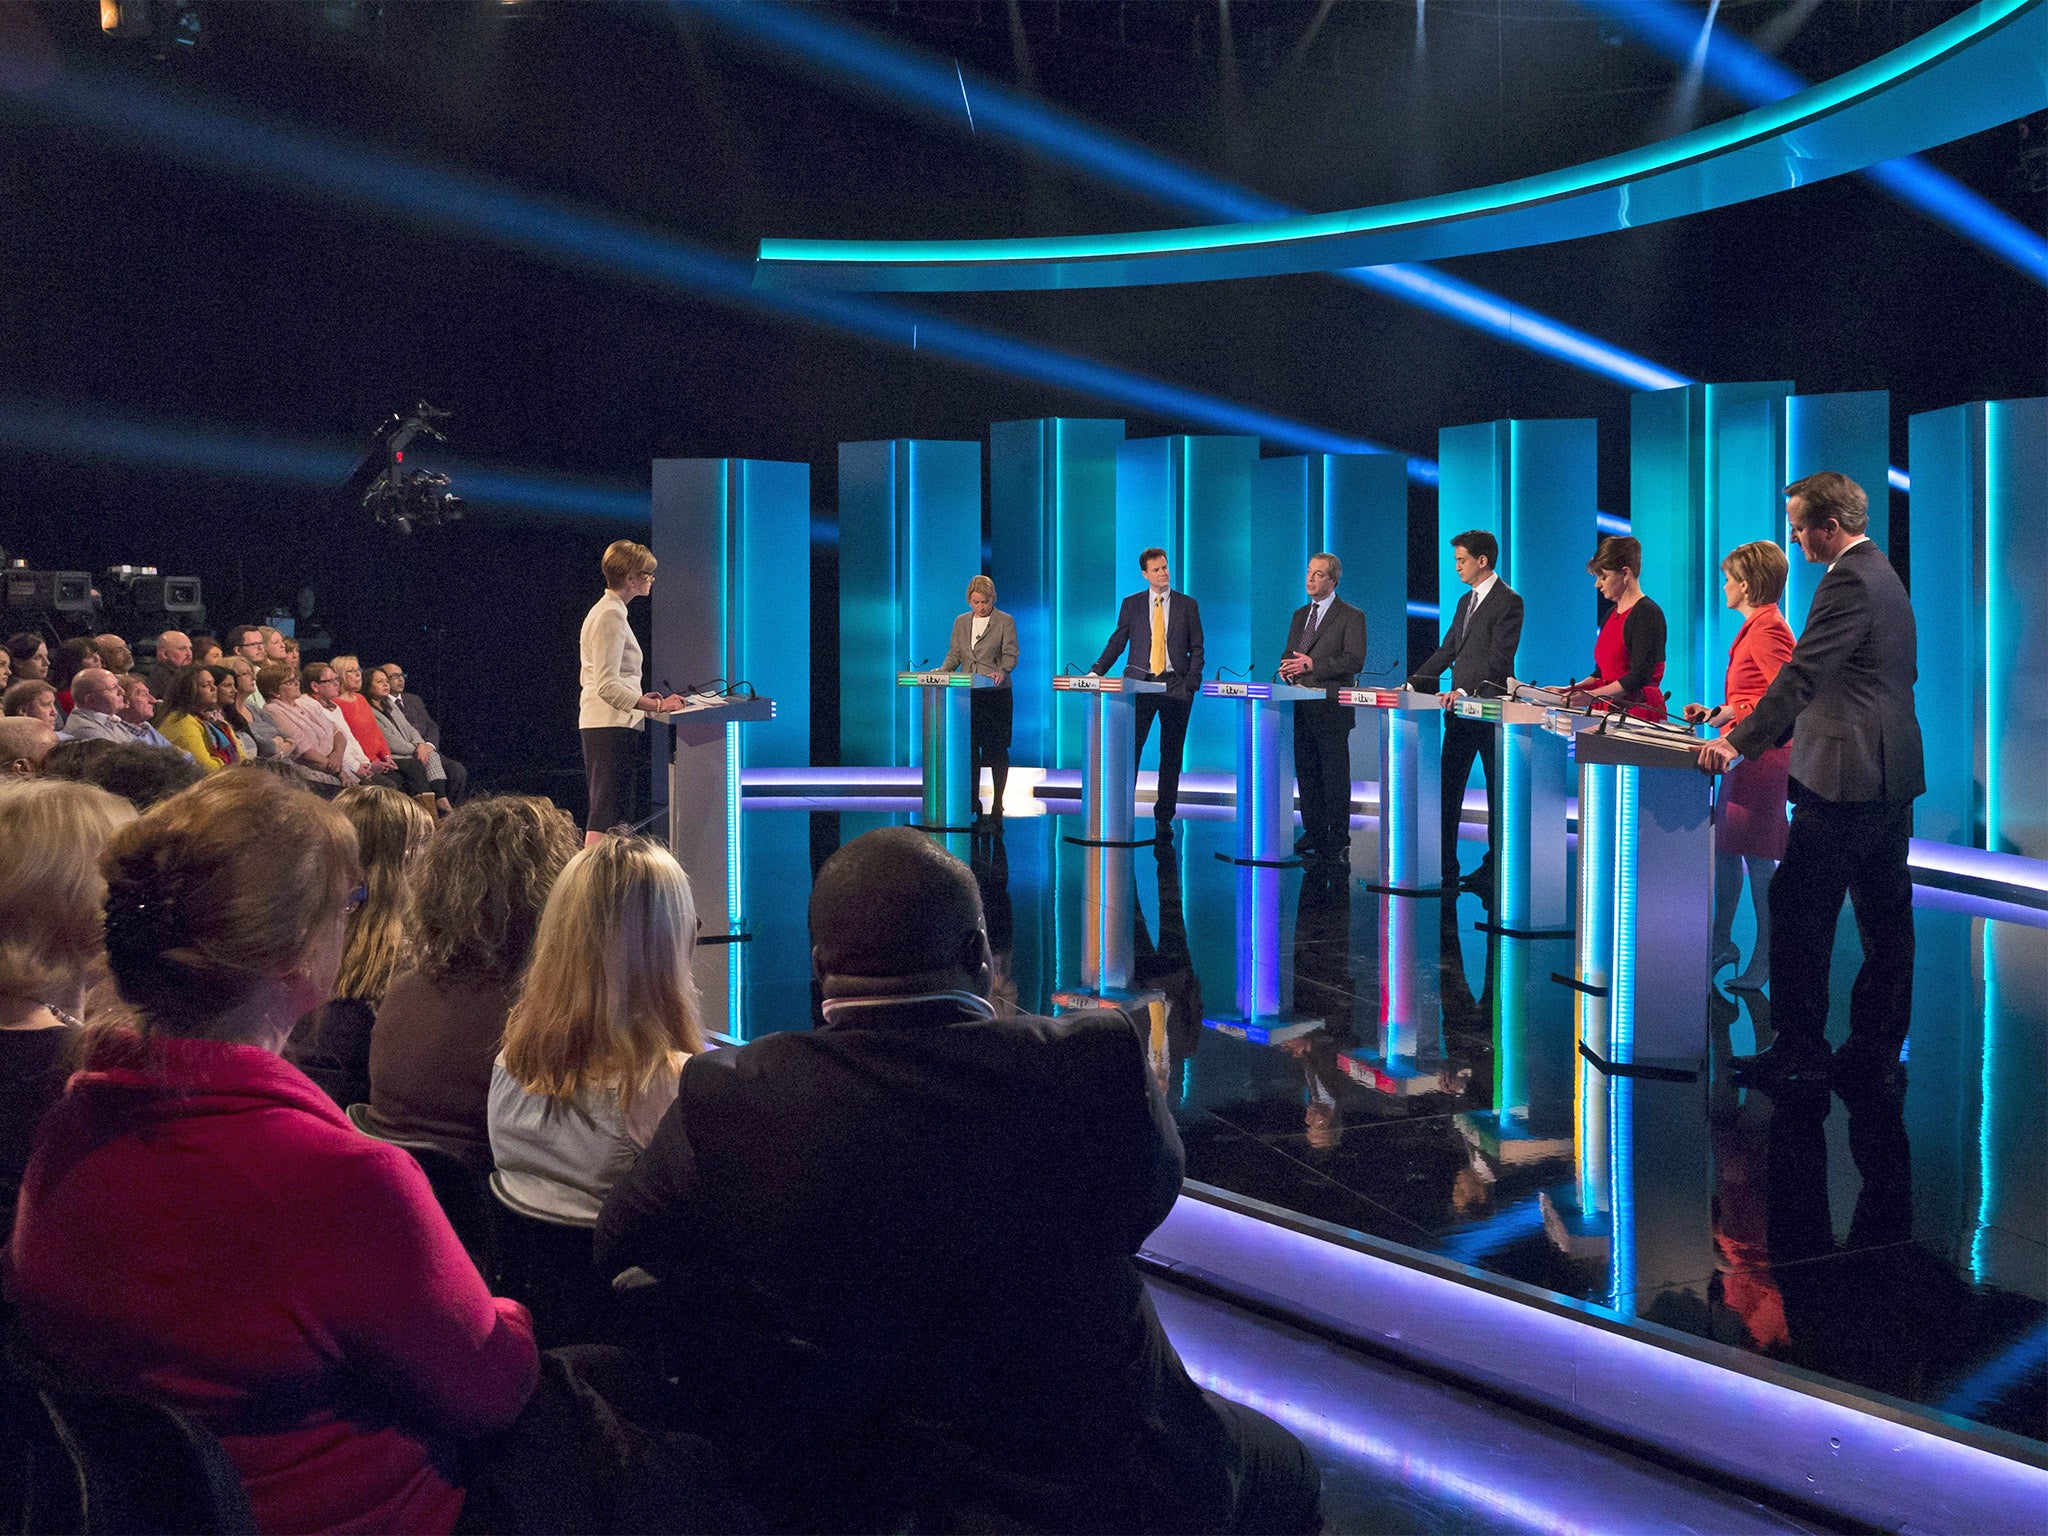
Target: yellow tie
[1158,635]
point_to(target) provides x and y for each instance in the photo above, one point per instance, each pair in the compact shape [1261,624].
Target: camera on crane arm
[400,496]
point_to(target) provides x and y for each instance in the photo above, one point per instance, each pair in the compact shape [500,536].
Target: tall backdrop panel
[1191,496]
[1286,495]
[1534,485]
[731,604]
[1706,473]
[1851,433]
[909,542]
[1980,602]
[1052,514]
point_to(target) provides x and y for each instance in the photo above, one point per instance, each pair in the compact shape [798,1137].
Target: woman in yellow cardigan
[192,720]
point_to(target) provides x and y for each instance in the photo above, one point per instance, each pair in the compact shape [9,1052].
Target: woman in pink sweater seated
[200,1224]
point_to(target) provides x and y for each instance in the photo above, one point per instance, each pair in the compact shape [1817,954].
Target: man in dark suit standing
[1479,648]
[1162,629]
[1325,649]
[1846,700]
[903,1243]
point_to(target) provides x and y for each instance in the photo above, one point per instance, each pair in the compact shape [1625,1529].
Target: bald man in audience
[24,743]
[115,654]
[173,651]
[96,701]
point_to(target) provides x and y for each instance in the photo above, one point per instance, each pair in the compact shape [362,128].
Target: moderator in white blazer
[611,686]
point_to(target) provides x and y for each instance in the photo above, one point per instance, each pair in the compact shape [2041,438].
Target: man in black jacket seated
[900,1247]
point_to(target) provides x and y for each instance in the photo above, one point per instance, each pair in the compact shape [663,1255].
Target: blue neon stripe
[1738,69]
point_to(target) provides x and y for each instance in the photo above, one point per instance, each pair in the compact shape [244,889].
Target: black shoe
[1874,1069]
[1304,845]
[1785,1062]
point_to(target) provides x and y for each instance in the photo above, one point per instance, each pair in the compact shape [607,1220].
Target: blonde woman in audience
[51,836]
[597,1040]
[331,1044]
[473,906]
[200,1225]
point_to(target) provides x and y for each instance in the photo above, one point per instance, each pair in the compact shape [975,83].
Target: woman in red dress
[1749,817]
[1628,658]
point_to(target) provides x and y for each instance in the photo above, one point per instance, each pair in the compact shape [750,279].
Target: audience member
[96,708]
[192,721]
[73,657]
[406,743]
[291,655]
[173,654]
[34,700]
[139,774]
[323,691]
[51,838]
[473,904]
[603,1024]
[206,650]
[304,734]
[331,1044]
[245,644]
[24,743]
[116,655]
[904,1241]
[6,669]
[262,727]
[274,647]
[201,1225]
[31,656]
[425,726]
[138,711]
[369,735]
[228,692]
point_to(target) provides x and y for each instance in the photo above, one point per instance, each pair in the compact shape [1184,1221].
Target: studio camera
[398,495]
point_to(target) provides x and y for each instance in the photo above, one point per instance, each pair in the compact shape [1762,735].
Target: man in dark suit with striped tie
[1846,700]
[1162,629]
[1479,648]
[1325,649]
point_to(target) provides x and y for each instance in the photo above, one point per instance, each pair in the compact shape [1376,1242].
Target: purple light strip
[1873,1460]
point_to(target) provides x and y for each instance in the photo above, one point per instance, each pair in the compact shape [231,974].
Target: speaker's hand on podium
[1717,755]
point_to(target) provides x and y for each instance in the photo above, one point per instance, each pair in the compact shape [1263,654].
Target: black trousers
[1322,773]
[1857,849]
[611,763]
[1173,744]
[991,716]
[1464,742]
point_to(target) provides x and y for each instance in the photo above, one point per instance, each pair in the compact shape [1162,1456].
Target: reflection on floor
[1438,1100]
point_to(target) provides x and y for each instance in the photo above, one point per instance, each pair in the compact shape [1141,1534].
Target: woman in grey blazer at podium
[985,641]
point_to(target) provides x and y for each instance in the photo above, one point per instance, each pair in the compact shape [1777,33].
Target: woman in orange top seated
[1749,817]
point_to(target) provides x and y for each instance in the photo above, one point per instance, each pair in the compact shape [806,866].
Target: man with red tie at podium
[1479,648]
[1846,701]
[1325,649]
[1162,629]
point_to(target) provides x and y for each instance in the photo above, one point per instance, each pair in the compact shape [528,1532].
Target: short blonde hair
[1760,566]
[981,584]
[623,560]
[52,833]
[344,661]
[609,1003]
[391,829]
[218,888]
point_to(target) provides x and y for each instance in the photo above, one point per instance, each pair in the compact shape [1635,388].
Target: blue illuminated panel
[1285,493]
[1850,433]
[909,542]
[1534,485]
[1980,601]
[1191,496]
[1706,473]
[1052,516]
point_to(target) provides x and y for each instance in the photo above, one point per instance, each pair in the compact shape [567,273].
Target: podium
[1108,778]
[1411,741]
[1646,900]
[946,732]
[1530,898]
[1265,846]
[704,835]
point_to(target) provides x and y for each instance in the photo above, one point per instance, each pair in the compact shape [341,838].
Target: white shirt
[566,1159]
[1861,538]
[353,759]
[612,663]
[1479,594]
[979,628]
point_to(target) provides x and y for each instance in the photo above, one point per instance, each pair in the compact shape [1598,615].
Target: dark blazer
[1481,651]
[996,653]
[943,1210]
[1338,649]
[1183,641]
[1846,697]
[415,711]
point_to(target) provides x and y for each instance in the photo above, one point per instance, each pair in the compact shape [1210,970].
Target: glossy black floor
[1897,1244]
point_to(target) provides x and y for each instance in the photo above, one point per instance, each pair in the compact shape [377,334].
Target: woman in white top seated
[596,1042]
[612,709]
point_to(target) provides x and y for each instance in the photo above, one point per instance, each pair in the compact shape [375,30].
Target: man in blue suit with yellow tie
[1162,629]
